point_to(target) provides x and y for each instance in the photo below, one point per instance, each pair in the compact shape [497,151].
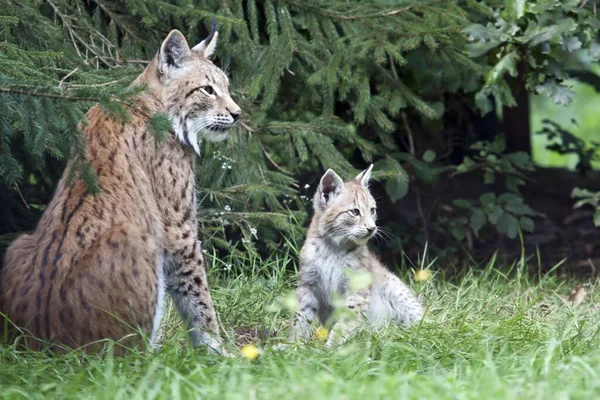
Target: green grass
[488,335]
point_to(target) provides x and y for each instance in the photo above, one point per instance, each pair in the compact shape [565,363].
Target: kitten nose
[236,115]
[371,229]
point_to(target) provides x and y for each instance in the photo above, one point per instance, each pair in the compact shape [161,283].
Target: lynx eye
[355,212]
[208,90]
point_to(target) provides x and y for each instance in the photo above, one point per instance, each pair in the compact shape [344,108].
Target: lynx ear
[173,51]
[206,48]
[365,176]
[330,187]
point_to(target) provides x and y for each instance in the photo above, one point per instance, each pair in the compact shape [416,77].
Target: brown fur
[89,271]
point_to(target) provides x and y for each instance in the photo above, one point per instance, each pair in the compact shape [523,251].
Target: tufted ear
[206,48]
[173,51]
[330,187]
[365,176]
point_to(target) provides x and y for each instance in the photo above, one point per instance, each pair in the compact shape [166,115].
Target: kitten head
[345,212]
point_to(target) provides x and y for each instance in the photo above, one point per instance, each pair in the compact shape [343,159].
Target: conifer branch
[323,83]
[348,17]
[67,76]
[76,38]
[266,153]
[60,96]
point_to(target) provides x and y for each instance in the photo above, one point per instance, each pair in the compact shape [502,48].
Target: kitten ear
[365,176]
[206,48]
[173,51]
[330,187]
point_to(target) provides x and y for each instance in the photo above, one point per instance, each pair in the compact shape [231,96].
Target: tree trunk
[516,119]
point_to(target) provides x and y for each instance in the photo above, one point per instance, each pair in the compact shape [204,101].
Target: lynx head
[195,92]
[345,212]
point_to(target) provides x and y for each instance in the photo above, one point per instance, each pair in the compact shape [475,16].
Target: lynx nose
[236,115]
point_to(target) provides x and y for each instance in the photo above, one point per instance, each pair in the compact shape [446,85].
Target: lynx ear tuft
[206,48]
[365,176]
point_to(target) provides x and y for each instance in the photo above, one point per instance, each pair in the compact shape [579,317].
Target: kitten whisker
[380,238]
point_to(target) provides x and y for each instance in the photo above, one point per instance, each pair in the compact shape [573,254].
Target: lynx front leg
[406,308]
[355,313]
[184,269]
[186,281]
[308,307]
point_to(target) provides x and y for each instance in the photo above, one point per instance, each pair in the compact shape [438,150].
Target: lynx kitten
[343,223]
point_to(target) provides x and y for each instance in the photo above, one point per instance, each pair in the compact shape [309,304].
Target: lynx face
[346,212]
[196,92]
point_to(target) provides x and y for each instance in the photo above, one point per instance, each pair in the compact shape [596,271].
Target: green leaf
[461,203]
[507,64]
[483,101]
[489,177]
[594,50]
[582,202]
[489,33]
[520,159]
[513,183]
[478,219]
[557,92]
[508,225]
[517,206]
[465,166]
[458,232]
[397,187]
[429,156]
[488,199]
[527,224]
[517,8]
[535,34]
[571,44]
[424,172]
[506,197]
[579,192]
[495,215]
[439,108]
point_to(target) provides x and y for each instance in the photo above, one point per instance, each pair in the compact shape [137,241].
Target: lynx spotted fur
[99,266]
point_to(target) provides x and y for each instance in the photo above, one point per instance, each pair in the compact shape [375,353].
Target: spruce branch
[348,16]
[266,153]
[76,39]
[67,76]
[30,93]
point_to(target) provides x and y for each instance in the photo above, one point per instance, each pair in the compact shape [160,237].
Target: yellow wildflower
[423,275]
[321,333]
[250,351]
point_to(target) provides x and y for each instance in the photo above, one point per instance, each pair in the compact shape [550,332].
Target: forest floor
[490,334]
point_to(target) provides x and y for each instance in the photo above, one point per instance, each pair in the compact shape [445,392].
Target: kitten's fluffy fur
[343,223]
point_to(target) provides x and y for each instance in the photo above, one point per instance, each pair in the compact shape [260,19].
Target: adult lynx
[99,266]
[343,223]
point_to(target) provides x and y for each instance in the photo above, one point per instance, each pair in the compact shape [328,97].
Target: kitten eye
[373,210]
[208,89]
[355,212]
